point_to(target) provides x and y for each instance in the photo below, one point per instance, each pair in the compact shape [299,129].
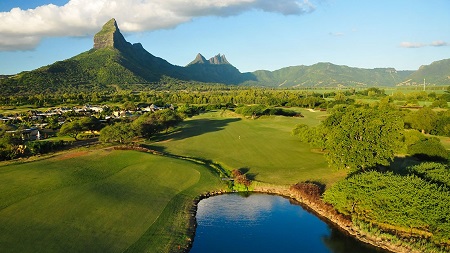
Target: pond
[266,223]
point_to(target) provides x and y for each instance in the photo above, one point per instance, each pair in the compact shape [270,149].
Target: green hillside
[328,75]
[112,60]
[437,73]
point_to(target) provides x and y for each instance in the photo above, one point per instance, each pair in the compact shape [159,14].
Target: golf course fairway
[98,201]
[106,200]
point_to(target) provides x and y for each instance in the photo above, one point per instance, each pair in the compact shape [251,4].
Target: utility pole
[424,84]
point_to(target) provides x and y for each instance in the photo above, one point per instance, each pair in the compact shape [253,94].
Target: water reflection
[265,223]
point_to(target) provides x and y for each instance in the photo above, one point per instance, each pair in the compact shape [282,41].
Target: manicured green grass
[98,201]
[264,147]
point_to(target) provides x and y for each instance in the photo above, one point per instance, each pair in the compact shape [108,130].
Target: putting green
[263,147]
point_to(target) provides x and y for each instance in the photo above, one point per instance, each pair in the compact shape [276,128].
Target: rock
[199,59]
[110,37]
[218,59]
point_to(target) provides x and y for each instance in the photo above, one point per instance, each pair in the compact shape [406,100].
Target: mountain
[216,70]
[113,60]
[328,75]
[437,72]
[219,59]
[216,60]
[199,59]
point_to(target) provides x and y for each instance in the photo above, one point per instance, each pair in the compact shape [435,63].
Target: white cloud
[23,29]
[412,45]
[337,34]
[438,43]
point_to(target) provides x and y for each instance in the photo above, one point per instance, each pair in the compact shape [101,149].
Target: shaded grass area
[98,201]
[264,147]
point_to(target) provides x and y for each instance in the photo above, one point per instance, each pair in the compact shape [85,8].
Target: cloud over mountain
[24,29]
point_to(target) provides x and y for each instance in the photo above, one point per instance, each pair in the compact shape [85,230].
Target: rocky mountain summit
[216,60]
[110,37]
[199,59]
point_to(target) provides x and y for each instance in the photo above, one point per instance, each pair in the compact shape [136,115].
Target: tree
[340,96]
[362,138]
[129,105]
[72,129]
[441,103]
[168,118]
[442,124]
[428,149]
[312,135]
[423,119]
[90,124]
[120,133]
[146,125]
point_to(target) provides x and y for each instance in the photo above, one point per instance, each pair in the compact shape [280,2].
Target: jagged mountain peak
[110,37]
[218,59]
[199,59]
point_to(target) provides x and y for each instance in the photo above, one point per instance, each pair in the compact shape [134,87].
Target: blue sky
[253,34]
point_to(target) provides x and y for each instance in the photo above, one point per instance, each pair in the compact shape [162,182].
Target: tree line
[220,94]
[121,130]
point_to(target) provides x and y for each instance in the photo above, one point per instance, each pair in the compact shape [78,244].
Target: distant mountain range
[113,60]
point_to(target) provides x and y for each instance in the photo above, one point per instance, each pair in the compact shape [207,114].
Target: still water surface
[266,223]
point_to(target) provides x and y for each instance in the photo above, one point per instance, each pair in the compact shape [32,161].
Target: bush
[241,179]
[434,172]
[409,203]
[308,190]
[429,149]
[42,147]
[259,110]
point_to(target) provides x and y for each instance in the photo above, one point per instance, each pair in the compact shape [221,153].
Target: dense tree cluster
[427,120]
[417,203]
[357,138]
[146,125]
[260,110]
[13,146]
[75,127]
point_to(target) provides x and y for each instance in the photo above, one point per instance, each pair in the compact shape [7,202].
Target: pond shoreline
[331,217]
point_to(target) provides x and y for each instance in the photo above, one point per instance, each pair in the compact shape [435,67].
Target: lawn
[115,201]
[99,201]
[263,147]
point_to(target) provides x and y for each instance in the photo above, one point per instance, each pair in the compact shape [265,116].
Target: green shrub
[428,149]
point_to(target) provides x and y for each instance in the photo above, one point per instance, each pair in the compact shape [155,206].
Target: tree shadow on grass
[196,127]
[398,166]
[246,172]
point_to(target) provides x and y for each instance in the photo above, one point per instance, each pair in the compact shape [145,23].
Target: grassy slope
[265,147]
[97,202]
[111,201]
